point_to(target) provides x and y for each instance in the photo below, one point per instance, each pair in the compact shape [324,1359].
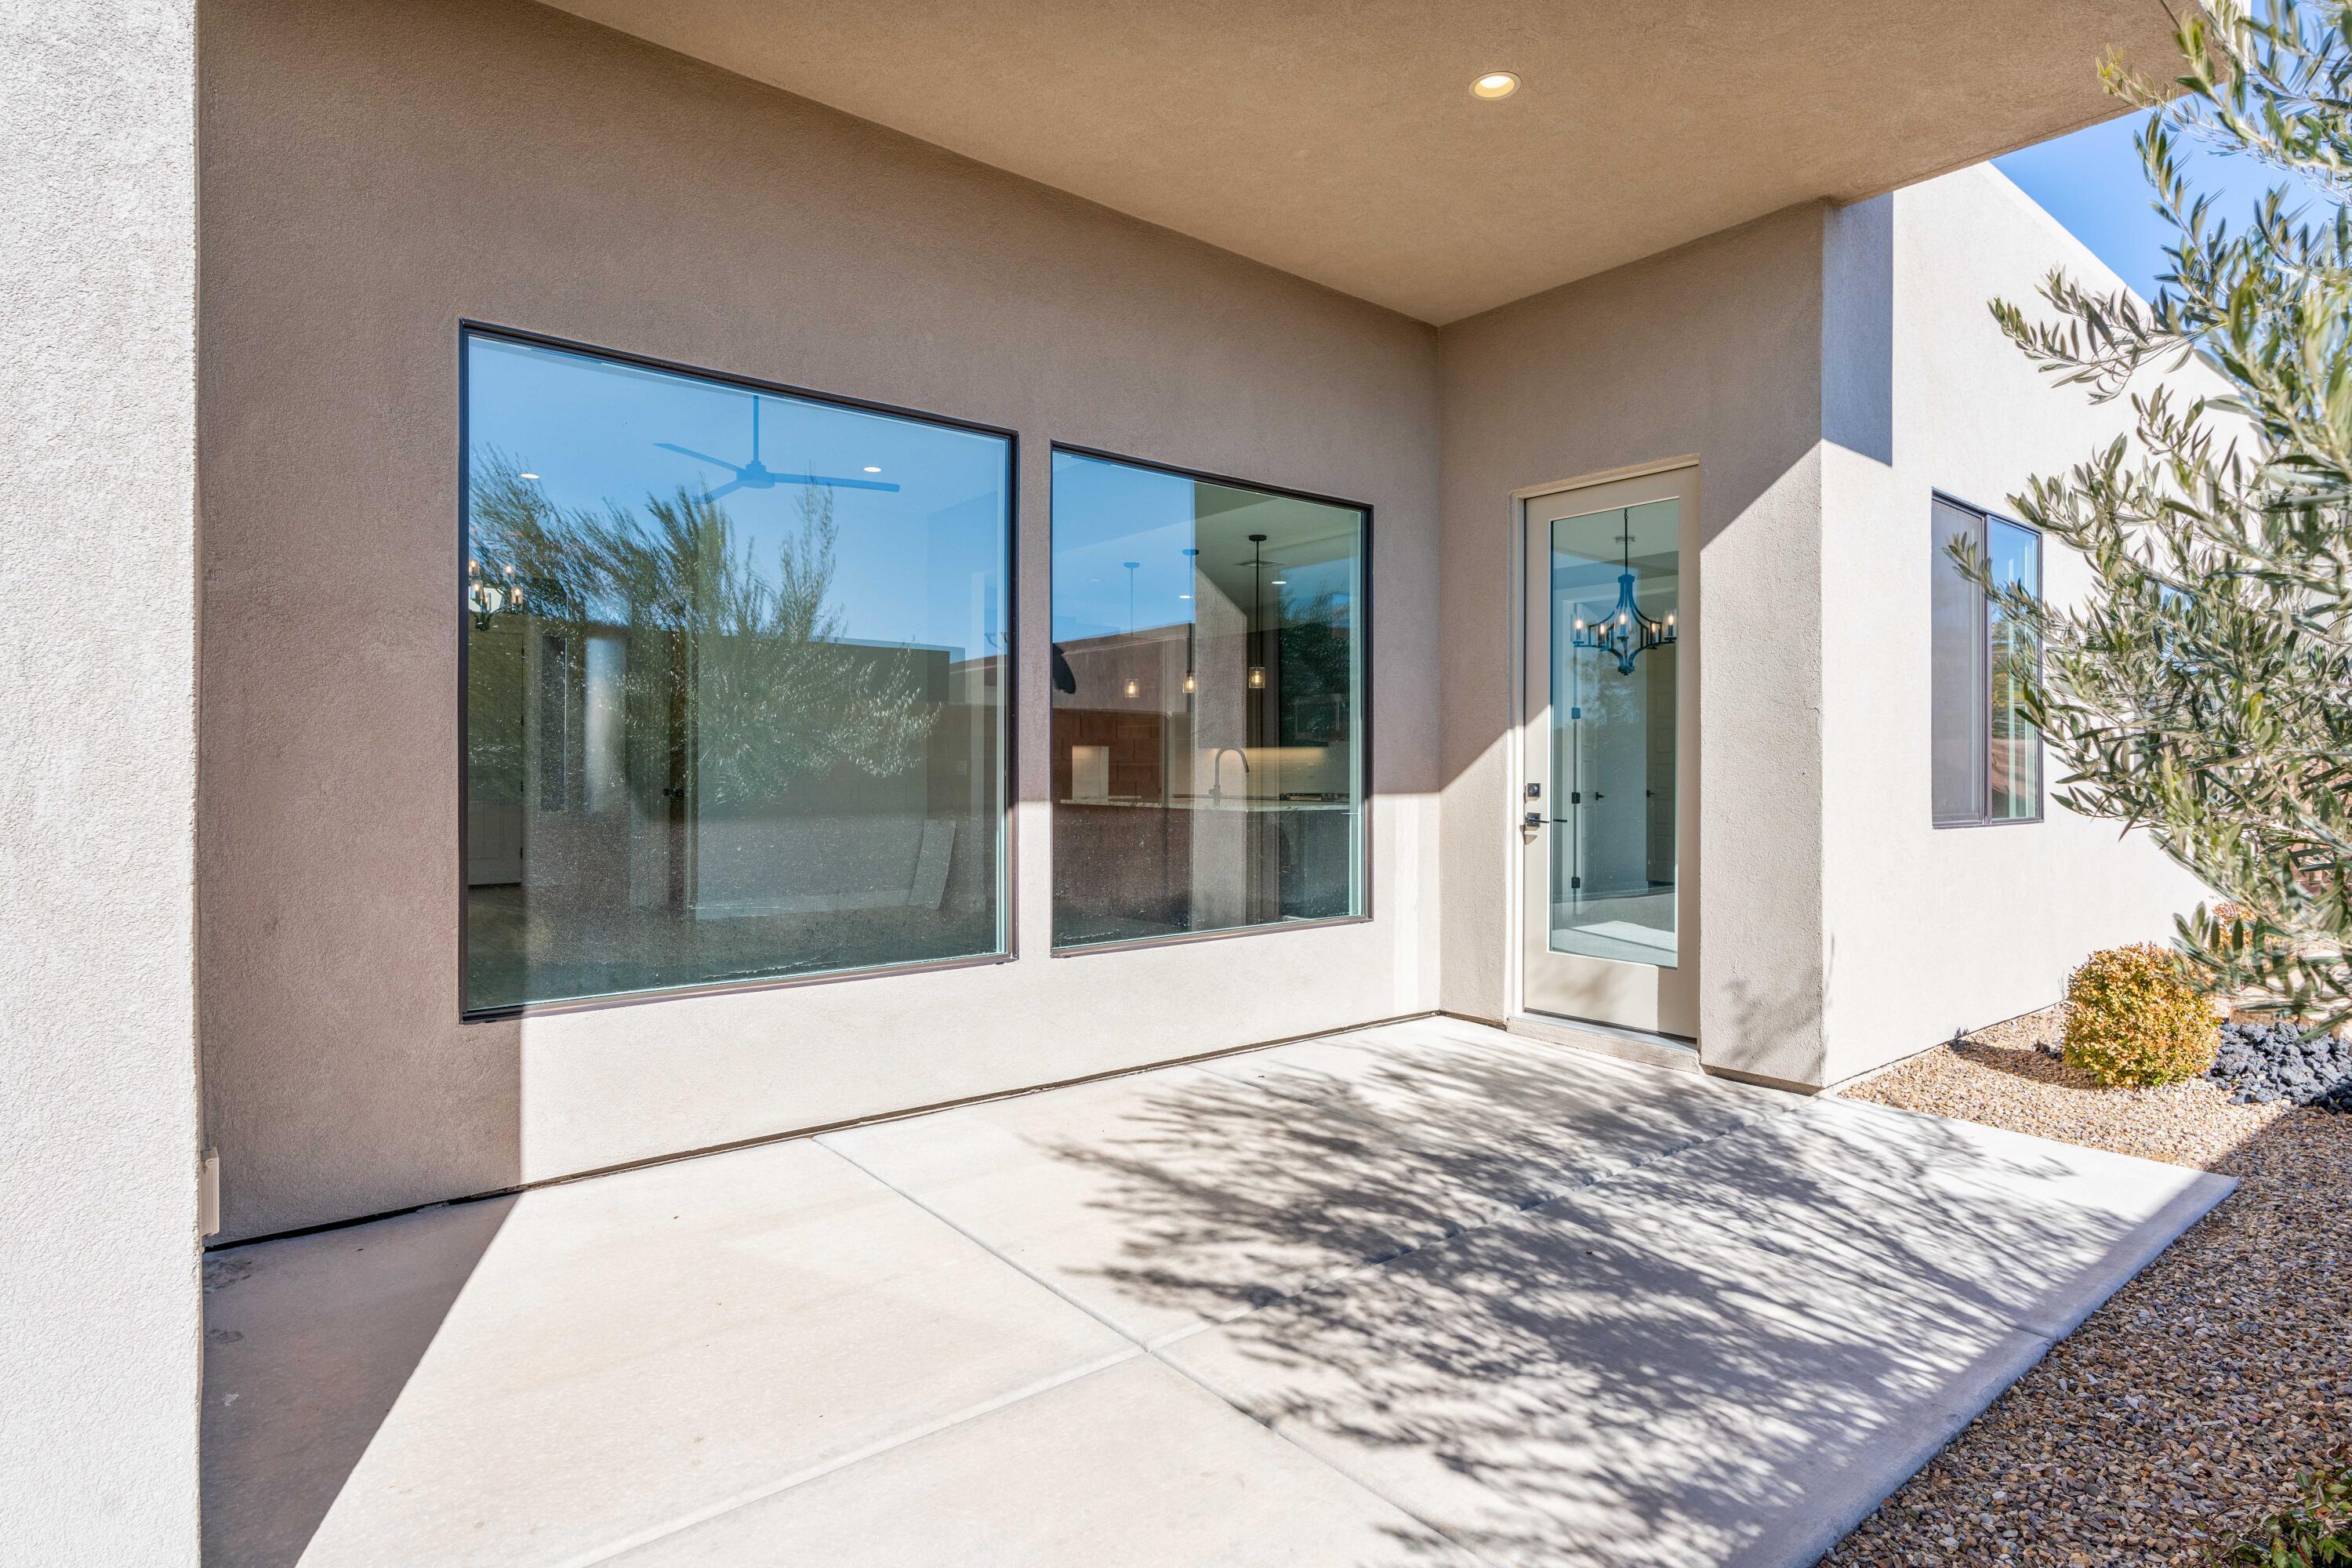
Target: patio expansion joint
[1147,1349]
[1323,1280]
[651,1533]
[1955,1418]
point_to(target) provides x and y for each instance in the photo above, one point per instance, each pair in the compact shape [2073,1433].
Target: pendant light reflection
[1192,684]
[1257,606]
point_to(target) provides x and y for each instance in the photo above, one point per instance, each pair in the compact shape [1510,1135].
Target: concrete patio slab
[592,1360]
[1281,1308]
[1543,1117]
[1135,1465]
[1072,1186]
[1714,1359]
[2033,1232]
[1195,1193]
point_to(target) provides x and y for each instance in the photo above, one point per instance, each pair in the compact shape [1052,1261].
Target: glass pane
[1208,684]
[1615,609]
[725,720]
[1955,676]
[2015,755]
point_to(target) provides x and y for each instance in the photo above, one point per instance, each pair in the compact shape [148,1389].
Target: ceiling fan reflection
[757,475]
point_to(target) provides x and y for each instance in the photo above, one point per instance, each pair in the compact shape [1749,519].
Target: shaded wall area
[374,173]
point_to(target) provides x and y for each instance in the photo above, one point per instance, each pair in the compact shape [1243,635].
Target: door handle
[1532,819]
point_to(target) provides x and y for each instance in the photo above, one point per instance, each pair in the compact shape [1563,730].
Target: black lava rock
[2261,1064]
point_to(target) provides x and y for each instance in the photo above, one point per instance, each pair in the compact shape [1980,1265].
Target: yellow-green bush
[2132,1019]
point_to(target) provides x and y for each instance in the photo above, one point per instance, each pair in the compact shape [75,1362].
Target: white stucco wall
[99,1315]
[1931,930]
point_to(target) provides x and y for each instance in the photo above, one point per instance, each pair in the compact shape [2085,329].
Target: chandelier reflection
[1627,633]
[487,596]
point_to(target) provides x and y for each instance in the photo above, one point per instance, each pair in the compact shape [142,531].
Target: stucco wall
[373,170]
[1712,351]
[99,1362]
[1931,930]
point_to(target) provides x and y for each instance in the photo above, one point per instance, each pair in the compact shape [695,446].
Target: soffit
[1339,142]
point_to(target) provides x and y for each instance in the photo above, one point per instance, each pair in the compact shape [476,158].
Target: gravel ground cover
[2179,1414]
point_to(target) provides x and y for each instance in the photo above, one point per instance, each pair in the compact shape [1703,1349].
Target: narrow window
[1208,734]
[1985,761]
[734,683]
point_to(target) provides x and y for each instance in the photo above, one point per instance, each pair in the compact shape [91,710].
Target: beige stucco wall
[1931,930]
[377,170]
[99,1300]
[1713,351]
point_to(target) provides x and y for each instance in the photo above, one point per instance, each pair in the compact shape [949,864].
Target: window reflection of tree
[746,670]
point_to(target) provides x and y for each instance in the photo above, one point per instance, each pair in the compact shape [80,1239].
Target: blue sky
[2093,183]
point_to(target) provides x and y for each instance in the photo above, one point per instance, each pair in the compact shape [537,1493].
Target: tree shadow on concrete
[1598,1315]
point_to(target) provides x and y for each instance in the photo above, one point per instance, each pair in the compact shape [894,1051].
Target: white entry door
[1607,808]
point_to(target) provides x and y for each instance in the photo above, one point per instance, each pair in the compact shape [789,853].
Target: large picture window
[1986,755]
[1208,733]
[734,681]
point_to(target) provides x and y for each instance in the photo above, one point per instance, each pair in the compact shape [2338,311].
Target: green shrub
[2132,1019]
[2316,1532]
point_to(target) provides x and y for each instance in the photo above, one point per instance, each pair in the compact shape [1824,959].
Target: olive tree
[2203,689]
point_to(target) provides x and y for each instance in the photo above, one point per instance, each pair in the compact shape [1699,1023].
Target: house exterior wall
[373,173]
[1714,351]
[97,1072]
[1930,929]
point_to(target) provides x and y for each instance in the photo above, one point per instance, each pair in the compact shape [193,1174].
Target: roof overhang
[1341,143]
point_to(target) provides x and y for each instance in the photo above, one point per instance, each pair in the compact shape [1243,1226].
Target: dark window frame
[1362,612]
[1981,721]
[1009,780]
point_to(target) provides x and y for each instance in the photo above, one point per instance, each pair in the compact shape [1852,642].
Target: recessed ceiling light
[1495,84]
[872,469]
[521,475]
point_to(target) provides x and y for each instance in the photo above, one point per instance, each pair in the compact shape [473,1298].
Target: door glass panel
[1615,631]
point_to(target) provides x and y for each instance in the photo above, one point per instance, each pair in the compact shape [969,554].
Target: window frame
[1982,816]
[1009,772]
[1362,612]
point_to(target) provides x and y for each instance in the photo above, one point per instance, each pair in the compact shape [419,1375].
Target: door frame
[1515,646]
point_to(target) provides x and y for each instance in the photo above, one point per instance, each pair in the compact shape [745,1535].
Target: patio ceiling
[1341,143]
